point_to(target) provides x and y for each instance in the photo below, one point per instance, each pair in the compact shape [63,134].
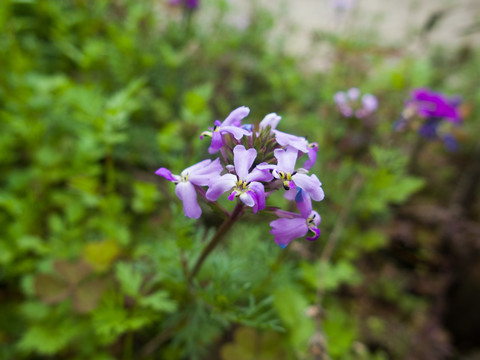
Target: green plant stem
[221,231]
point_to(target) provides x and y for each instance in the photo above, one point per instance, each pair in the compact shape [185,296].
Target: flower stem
[222,230]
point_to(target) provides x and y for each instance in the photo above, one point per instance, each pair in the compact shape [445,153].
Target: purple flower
[231,125]
[189,4]
[284,170]
[296,142]
[351,103]
[430,104]
[244,184]
[200,174]
[292,226]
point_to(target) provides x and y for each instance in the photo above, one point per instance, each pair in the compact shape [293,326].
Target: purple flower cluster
[252,164]
[433,114]
[189,4]
[352,103]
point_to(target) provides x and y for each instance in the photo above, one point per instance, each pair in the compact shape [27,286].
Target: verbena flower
[255,162]
[433,114]
[200,174]
[292,226]
[243,184]
[189,4]
[352,103]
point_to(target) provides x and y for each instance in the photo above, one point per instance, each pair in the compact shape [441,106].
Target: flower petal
[312,156]
[237,132]
[221,185]
[286,230]
[236,116]
[247,199]
[243,160]
[286,159]
[207,174]
[259,191]
[297,142]
[167,174]
[311,185]
[217,142]
[260,173]
[271,120]
[186,192]
[304,203]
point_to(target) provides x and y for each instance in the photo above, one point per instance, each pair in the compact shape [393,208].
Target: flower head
[231,125]
[200,174]
[243,184]
[292,226]
[351,103]
[189,4]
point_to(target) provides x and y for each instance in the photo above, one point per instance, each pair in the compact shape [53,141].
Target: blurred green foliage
[94,250]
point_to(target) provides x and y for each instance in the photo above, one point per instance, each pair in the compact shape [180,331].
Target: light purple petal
[271,120]
[353,93]
[196,167]
[207,174]
[286,230]
[340,98]
[260,195]
[222,184]
[316,231]
[167,174]
[247,199]
[243,160]
[260,173]
[312,156]
[186,192]
[286,159]
[236,116]
[286,214]
[217,142]
[311,185]
[304,203]
[296,142]
[370,102]
[290,194]
[237,132]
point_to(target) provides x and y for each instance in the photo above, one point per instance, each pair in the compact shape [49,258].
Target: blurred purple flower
[352,103]
[292,226]
[200,174]
[189,4]
[430,104]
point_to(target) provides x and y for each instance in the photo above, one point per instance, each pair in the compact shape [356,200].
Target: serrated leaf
[51,289]
[159,301]
[130,279]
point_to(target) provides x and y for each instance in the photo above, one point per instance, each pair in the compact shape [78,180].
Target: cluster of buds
[353,103]
[433,115]
[252,164]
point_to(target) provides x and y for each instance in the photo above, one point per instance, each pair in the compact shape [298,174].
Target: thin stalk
[221,231]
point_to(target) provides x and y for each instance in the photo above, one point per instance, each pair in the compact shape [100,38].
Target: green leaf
[159,301]
[130,279]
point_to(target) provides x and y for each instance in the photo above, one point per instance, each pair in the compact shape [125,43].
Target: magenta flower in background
[243,184]
[189,4]
[352,103]
[231,125]
[200,174]
[437,114]
[292,226]
[430,104]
